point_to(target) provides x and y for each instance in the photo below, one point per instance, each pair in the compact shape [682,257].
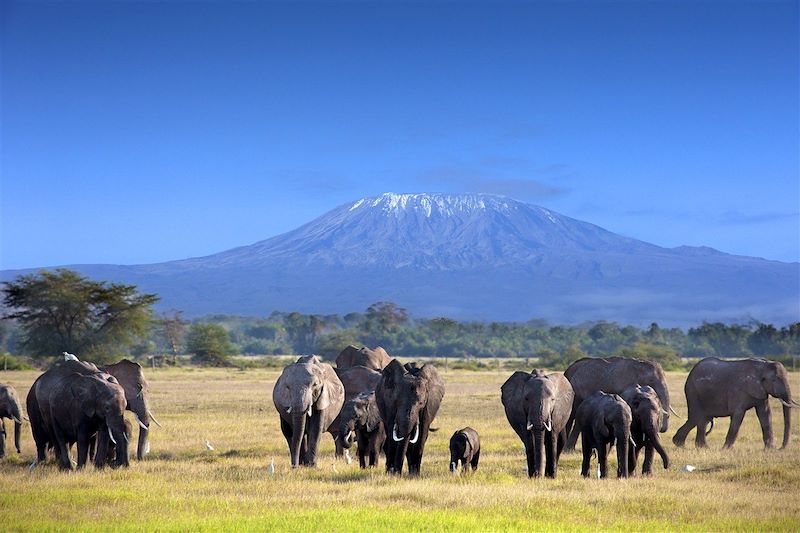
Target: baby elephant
[465,446]
[647,413]
[604,419]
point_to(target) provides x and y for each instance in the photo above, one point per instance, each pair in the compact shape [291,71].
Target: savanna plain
[182,485]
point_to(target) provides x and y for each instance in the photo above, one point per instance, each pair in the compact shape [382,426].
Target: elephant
[130,376]
[308,396]
[71,402]
[719,388]
[465,446]
[537,406]
[104,442]
[360,416]
[646,411]
[604,419]
[408,398]
[613,375]
[10,408]
[376,359]
[356,379]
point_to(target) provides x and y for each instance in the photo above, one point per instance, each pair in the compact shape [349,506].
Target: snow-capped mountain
[473,256]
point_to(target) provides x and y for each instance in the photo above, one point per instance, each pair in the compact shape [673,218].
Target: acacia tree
[174,331]
[210,344]
[62,311]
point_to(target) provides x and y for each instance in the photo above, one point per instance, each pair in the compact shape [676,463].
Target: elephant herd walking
[385,407]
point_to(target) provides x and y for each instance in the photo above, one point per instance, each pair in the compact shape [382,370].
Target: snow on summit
[429,203]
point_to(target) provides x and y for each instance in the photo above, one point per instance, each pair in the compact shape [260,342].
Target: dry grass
[183,486]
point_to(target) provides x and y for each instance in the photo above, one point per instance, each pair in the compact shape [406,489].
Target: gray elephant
[130,376]
[604,419]
[360,421]
[718,388]
[10,408]
[376,359]
[613,375]
[408,398]
[308,396]
[356,380]
[465,447]
[646,411]
[71,403]
[537,406]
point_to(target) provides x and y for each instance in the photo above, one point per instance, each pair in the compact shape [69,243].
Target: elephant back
[375,359]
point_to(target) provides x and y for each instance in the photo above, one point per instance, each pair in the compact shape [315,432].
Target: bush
[209,344]
[664,355]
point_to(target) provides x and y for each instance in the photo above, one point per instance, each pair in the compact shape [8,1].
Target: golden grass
[183,486]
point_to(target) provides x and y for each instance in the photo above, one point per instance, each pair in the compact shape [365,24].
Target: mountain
[469,256]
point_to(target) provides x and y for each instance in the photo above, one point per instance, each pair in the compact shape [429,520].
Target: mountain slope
[470,256]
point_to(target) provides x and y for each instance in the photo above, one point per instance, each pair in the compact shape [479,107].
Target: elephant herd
[386,408]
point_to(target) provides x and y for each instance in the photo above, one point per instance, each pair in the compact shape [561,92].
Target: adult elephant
[604,420]
[356,380]
[408,398]
[10,408]
[718,388]
[72,402]
[376,358]
[131,378]
[308,396]
[613,375]
[646,414]
[537,406]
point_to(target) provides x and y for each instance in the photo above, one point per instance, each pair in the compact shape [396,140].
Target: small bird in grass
[271,467]
[209,446]
[689,468]
[69,357]
[347,457]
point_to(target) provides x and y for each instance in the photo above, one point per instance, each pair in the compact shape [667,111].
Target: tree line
[51,312]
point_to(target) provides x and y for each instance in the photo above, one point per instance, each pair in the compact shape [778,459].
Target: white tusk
[664,412]
[394,434]
[141,424]
[124,434]
[289,410]
[787,404]
[415,437]
[112,436]
[548,426]
[153,418]
[674,413]
[633,442]
[309,410]
[17,420]
[530,426]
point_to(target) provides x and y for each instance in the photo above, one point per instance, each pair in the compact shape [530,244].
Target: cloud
[739,218]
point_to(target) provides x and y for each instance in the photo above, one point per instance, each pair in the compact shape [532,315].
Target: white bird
[70,357]
[598,471]
[347,457]
[689,468]
[209,446]
[271,467]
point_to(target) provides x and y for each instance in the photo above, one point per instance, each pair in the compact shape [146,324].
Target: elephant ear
[332,388]
[599,426]
[393,374]
[435,388]
[84,398]
[753,387]
[280,395]
[511,391]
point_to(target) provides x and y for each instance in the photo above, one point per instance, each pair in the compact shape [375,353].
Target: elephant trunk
[538,447]
[787,425]
[663,396]
[116,429]
[298,432]
[651,434]
[623,438]
[16,413]
[142,413]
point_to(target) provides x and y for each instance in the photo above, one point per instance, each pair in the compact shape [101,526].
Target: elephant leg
[550,454]
[61,448]
[733,431]
[2,438]
[83,448]
[571,430]
[562,439]
[414,457]
[391,451]
[474,461]
[529,454]
[602,458]
[647,466]
[464,462]
[586,449]
[633,456]
[700,437]
[765,419]
[680,436]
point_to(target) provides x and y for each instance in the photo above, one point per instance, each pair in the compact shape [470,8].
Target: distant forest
[388,325]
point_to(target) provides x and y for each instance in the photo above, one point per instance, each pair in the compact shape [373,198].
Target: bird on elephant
[10,408]
[308,396]
[373,358]
[356,380]
[613,375]
[408,398]
[646,412]
[70,403]
[360,421]
[604,420]
[465,448]
[716,388]
[537,406]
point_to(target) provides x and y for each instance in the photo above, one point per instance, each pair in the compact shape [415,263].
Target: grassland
[184,486]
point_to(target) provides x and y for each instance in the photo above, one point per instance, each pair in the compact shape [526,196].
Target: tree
[174,331]
[62,311]
[442,328]
[384,318]
[209,344]
[766,340]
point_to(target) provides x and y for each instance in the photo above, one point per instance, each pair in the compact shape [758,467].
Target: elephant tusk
[17,420]
[548,426]
[309,410]
[141,424]
[124,434]
[664,411]
[111,436]
[674,413]
[633,442]
[529,426]
[394,434]
[787,404]
[154,418]
[415,438]
[289,410]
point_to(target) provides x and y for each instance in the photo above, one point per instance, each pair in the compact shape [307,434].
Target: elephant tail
[710,427]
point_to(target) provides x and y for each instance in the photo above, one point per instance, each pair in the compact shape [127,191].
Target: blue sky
[143,132]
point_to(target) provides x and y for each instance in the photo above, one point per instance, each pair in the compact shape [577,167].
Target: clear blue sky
[142,132]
